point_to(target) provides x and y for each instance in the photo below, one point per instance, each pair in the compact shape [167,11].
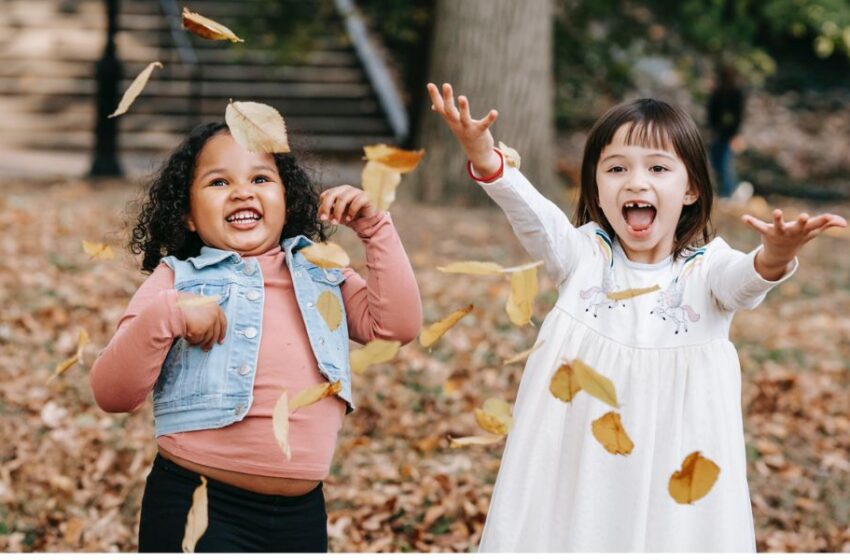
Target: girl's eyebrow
[215,171]
[218,170]
[656,154]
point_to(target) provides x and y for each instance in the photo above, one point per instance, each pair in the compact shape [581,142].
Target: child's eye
[658,168]
[218,183]
[617,169]
[261,179]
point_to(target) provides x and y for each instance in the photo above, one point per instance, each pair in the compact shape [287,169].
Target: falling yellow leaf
[402,161]
[434,331]
[695,480]
[474,440]
[521,299]
[330,309]
[609,431]
[192,300]
[633,292]
[280,424]
[257,127]
[326,255]
[511,156]
[525,354]
[472,267]
[522,267]
[313,394]
[135,89]
[380,182]
[495,416]
[375,352]
[595,383]
[207,28]
[564,384]
[98,250]
[197,518]
[82,341]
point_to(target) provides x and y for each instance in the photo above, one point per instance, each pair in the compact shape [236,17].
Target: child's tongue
[640,218]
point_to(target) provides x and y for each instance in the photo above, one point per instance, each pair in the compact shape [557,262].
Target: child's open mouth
[244,219]
[639,217]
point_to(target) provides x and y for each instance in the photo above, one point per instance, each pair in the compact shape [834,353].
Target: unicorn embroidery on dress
[669,304]
[598,295]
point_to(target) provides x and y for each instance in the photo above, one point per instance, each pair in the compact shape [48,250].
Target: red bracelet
[492,177]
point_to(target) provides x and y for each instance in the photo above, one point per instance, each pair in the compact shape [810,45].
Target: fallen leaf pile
[71,476]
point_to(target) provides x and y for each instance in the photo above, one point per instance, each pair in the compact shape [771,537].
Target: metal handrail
[186,54]
[376,70]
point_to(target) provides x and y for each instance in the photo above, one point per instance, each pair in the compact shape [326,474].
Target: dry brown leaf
[564,384]
[694,480]
[434,331]
[524,354]
[402,161]
[595,383]
[257,127]
[314,394]
[375,352]
[631,293]
[135,89]
[524,289]
[82,341]
[208,29]
[330,309]
[380,182]
[472,267]
[474,440]
[609,431]
[511,156]
[495,416]
[280,424]
[98,250]
[197,518]
[326,255]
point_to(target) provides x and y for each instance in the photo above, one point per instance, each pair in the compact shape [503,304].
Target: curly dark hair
[160,229]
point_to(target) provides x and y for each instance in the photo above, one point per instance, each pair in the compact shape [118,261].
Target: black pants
[239,520]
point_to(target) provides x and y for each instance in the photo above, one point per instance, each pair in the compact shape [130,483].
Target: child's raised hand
[206,323]
[782,240]
[341,205]
[474,135]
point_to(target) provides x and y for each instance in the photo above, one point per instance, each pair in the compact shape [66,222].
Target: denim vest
[198,390]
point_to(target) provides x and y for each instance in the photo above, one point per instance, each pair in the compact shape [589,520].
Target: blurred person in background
[725,114]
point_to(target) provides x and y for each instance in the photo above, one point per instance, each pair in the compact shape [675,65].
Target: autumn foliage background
[72,476]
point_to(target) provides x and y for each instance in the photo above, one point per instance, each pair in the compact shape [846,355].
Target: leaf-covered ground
[71,476]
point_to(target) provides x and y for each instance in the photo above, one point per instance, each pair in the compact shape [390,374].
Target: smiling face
[642,191]
[236,199]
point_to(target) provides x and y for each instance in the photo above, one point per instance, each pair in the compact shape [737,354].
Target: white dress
[678,382]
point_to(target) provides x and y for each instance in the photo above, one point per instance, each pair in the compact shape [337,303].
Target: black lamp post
[108,72]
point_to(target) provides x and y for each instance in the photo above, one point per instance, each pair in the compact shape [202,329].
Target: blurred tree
[499,54]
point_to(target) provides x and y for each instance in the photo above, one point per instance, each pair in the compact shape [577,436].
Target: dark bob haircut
[161,230]
[659,125]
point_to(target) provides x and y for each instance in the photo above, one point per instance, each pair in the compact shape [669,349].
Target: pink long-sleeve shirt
[386,306]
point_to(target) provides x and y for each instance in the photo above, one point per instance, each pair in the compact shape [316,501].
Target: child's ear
[190,224]
[691,195]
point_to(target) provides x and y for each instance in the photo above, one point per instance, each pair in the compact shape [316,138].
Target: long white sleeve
[542,228]
[733,279]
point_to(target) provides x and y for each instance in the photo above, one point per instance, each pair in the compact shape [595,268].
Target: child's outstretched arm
[387,304]
[741,280]
[783,240]
[542,228]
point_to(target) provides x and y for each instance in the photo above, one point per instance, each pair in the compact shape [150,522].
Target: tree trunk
[499,54]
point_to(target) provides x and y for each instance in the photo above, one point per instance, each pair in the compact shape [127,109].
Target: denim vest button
[252,295]
[245,369]
[239,408]
[248,268]
[310,304]
[250,332]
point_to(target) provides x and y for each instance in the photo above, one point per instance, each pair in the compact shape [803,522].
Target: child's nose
[242,190]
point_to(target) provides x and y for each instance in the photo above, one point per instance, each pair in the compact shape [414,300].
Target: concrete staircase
[48,49]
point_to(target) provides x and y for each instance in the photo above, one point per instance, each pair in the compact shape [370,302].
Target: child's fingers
[341,205]
[756,224]
[436,100]
[489,119]
[778,222]
[222,318]
[357,205]
[463,104]
[815,232]
[449,101]
[327,201]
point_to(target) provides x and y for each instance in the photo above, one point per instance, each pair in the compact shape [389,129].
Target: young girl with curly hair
[226,223]
[587,476]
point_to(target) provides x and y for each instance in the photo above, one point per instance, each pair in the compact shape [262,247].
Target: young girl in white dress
[642,220]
